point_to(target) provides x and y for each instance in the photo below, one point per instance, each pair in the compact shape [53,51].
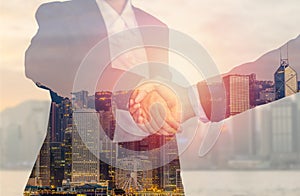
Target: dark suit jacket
[67,31]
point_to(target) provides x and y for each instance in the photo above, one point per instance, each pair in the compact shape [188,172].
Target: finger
[143,116]
[158,113]
[167,94]
[156,120]
[134,94]
[133,110]
[138,117]
[131,102]
[171,121]
[140,96]
[171,99]
[170,124]
[161,115]
[140,120]
[136,106]
[149,122]
[135,114]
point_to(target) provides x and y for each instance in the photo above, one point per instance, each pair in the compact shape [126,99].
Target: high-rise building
[237,93]
[240,97]
[57,164]
[103,101]
[54,161]
[242,128]
[285,80]
[45,176]
[263,126]
[220,155]
[252,90]
[80,99]
[284,133]
[44,163]
[68,153]
[108,149]
[85,146]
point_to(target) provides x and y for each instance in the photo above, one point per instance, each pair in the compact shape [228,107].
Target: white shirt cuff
[126,129]
[195,101]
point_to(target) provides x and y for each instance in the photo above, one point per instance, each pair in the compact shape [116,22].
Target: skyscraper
[285,80]
[54,161]
[80,99]
[237,93]
[284,133]
[85,146]
[56,164]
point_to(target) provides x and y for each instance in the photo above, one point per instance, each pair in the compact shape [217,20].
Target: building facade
[237,93]
[285,79]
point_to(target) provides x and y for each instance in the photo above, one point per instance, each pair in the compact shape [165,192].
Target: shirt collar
[111,16]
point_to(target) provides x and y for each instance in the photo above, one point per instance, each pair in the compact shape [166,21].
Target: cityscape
[74,163]
[65,162]
[62,137]
[260,139]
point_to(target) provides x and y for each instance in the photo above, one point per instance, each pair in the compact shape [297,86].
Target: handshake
[156,108]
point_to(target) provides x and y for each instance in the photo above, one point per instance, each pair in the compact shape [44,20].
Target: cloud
[232,31]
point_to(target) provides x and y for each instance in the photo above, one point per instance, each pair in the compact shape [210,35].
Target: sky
[233,32]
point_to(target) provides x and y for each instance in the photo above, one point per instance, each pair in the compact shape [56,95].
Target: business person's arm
[214,105]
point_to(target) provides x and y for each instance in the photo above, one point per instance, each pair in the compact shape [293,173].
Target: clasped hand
[155,108]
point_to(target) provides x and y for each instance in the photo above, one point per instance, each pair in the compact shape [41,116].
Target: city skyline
[243,93]
[235,163]
[245,33]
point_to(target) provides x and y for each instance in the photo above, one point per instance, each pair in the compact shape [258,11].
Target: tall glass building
[285,80]
[237,93]
[85,146]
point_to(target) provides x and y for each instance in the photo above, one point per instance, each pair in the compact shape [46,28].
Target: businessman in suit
[69,30]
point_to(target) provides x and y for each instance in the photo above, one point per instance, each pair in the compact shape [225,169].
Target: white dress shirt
[116,23]
[126,129]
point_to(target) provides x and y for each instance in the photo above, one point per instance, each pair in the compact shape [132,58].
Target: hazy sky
[232,31]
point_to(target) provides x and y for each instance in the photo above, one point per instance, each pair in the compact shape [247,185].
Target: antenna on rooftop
[284,61]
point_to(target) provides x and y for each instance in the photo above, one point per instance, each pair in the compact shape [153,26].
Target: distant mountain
[266,65]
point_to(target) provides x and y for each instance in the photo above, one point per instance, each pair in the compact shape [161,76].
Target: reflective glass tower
[285,80]
[237,93]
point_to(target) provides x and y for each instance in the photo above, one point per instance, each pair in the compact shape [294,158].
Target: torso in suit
[67,32]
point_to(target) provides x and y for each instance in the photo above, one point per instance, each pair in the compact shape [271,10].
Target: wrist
[187,106]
